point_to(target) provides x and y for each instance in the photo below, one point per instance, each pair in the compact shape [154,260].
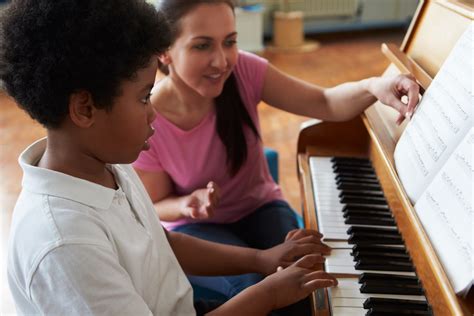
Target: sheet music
[442,119]
[445,209]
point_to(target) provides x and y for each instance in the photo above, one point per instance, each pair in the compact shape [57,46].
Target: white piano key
[341,269]
[334,236]
[347,268]
[347,302]
[348,311]
[354,293]
[339,257]
[336,225]
[328,207]
[338,244]
[342,254]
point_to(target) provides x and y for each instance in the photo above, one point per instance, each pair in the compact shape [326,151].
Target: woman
[206,171]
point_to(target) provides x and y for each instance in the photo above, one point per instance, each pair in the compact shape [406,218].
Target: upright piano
[402,275]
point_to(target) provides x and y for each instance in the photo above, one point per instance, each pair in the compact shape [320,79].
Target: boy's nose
[151,113]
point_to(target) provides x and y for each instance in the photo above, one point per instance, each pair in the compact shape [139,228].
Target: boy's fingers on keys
[309,261]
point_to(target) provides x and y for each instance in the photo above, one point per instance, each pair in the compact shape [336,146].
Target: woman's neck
[183,99]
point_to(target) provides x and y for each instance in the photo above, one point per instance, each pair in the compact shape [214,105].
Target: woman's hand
[201,203]
[390,90]
[296,282]
[298,243]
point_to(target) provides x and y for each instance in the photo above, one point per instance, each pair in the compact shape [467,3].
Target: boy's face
[121,133]
[205,51]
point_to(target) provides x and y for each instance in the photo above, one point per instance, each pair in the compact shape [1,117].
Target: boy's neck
[66,157]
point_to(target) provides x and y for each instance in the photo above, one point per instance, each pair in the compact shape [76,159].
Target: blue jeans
[264,228]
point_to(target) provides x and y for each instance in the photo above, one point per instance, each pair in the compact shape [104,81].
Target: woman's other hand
[201,203]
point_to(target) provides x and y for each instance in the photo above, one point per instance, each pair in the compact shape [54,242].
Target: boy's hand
[296,282]
[201,203]
[298,243]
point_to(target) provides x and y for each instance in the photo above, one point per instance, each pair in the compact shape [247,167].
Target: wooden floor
[340,58]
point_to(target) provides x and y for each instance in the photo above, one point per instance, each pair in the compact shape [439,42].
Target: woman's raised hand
[201,203]
[391,90]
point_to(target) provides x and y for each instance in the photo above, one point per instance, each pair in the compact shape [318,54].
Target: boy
[85,238]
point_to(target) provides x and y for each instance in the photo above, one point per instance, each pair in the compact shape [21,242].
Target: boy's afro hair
[50,49]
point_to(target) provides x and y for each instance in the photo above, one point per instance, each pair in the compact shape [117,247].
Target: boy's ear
[82,109]
[165,58]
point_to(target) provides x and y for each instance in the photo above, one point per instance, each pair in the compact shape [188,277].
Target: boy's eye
[146,99]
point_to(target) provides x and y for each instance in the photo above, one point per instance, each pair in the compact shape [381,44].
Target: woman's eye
[201,46]
[230,42]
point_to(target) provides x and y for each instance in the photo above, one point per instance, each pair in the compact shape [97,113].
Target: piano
[351,193]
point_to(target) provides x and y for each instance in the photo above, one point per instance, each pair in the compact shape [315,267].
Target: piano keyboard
[357,223]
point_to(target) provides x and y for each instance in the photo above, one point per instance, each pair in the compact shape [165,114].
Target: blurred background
[325,42]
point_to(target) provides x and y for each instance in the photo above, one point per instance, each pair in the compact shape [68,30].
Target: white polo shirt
[78,248]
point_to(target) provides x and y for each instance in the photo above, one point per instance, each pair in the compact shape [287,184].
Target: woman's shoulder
[249,60]
[250,74]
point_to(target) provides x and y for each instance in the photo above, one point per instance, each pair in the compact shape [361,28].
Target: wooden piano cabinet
[352,139]
[374,135]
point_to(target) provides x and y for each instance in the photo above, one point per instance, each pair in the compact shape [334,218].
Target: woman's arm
[170,207]
[341,102]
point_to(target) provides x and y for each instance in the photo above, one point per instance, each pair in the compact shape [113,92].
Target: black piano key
[388,312]
[368,220]
[398,264]
[362,208]
[374,230]
[384,278]
[351,160]
[358,186]
[367,213]
[391,289]
[353,170]
[374,254]
[384,258]
[344,178]
[362,193]
[391,249]
[345,175]
[351,165]
[374,239]
[368,200]
[395,304]
[384,266]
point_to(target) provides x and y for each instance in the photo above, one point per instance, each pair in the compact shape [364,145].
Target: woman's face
[205,52]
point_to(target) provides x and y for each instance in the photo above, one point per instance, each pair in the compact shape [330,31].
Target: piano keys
[355,219]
